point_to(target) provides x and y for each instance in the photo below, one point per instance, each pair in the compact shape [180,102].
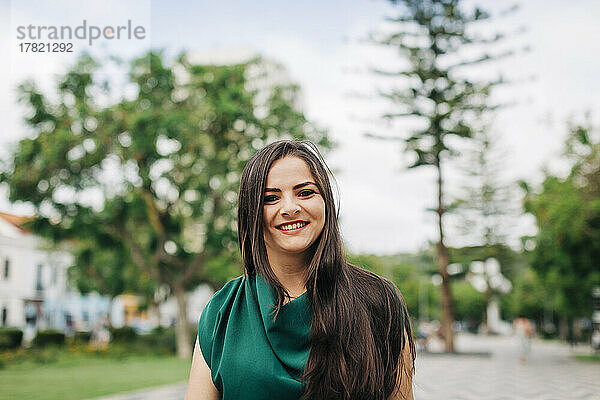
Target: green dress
[249,355]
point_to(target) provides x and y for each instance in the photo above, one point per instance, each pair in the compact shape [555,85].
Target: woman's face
[294,209]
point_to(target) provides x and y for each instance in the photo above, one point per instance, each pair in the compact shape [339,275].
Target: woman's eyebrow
[298,186]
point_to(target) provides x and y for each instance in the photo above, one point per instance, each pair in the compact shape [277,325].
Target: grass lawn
[588,357]
[86,376]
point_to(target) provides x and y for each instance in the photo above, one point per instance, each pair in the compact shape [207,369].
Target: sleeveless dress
[250,356]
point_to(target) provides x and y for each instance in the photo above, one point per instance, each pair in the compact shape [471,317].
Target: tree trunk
[184,347]
[563,328]
[485,329]
[443,261]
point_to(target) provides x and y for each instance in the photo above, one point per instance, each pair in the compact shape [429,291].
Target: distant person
[301,323]
[100,333]
[524,332]
[596,339]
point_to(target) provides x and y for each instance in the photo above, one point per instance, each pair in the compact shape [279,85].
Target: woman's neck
[290,271]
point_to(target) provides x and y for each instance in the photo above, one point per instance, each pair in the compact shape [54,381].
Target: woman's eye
[270,198]
[306,192]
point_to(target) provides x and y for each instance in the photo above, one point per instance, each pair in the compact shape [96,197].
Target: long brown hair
[360,324]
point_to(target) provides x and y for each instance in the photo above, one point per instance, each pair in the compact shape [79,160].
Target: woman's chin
[299,249]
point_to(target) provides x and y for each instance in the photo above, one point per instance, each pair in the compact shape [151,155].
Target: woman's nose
[289,205]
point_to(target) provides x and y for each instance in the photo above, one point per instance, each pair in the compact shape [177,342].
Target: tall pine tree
[434,36]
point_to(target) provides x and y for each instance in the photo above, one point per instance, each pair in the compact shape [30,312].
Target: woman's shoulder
[223,295]
[211,315]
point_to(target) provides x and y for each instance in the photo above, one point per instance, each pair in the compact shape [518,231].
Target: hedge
[125,334]
[10,338]
[44,338]
[82,337]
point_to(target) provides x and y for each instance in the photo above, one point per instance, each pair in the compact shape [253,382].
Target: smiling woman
[302,322]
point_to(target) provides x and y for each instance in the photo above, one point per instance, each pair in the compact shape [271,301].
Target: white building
[34,292]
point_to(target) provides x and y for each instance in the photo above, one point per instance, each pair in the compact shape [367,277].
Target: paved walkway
[170,392]
[549,374]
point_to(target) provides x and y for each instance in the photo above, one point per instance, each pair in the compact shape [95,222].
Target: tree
[434,35]
[528,298]
[470,304]
[483,207]
[567,213]
[495,284]
[483,210]
[152,170]
[106,268]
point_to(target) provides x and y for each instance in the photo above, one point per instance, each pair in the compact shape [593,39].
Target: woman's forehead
[289,171]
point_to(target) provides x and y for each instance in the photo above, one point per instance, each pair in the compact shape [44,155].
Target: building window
[38,278]
[4,316]
[6,268]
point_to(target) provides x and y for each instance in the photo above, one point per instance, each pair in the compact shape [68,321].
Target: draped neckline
[289,334]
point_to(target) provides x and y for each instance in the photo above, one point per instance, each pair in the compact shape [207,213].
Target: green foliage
[567,213]
[82,337]
[10,338]
[125,334]
[107,268]
[49,337]
[528,298]
[222,268]
[469,304]
[161,338]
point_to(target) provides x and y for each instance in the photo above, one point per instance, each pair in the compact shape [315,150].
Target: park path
[168,392]
[549,374]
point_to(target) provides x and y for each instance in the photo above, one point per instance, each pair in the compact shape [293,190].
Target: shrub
[82,337]
[10,338]
[161,339]
[125,334]
[49,337]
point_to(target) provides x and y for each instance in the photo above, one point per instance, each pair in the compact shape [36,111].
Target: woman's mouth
[291,228]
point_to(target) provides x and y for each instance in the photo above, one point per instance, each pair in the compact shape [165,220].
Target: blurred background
[464,140]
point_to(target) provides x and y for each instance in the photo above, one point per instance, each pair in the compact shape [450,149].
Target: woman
[301,323]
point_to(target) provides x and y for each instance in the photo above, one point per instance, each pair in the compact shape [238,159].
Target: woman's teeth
[292,226]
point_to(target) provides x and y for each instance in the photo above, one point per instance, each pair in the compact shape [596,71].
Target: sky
[322,47]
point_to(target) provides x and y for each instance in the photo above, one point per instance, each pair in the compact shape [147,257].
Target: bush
[469,304]
[49,337]
[162,339]
[10,338]
[82,337]
[125,334]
